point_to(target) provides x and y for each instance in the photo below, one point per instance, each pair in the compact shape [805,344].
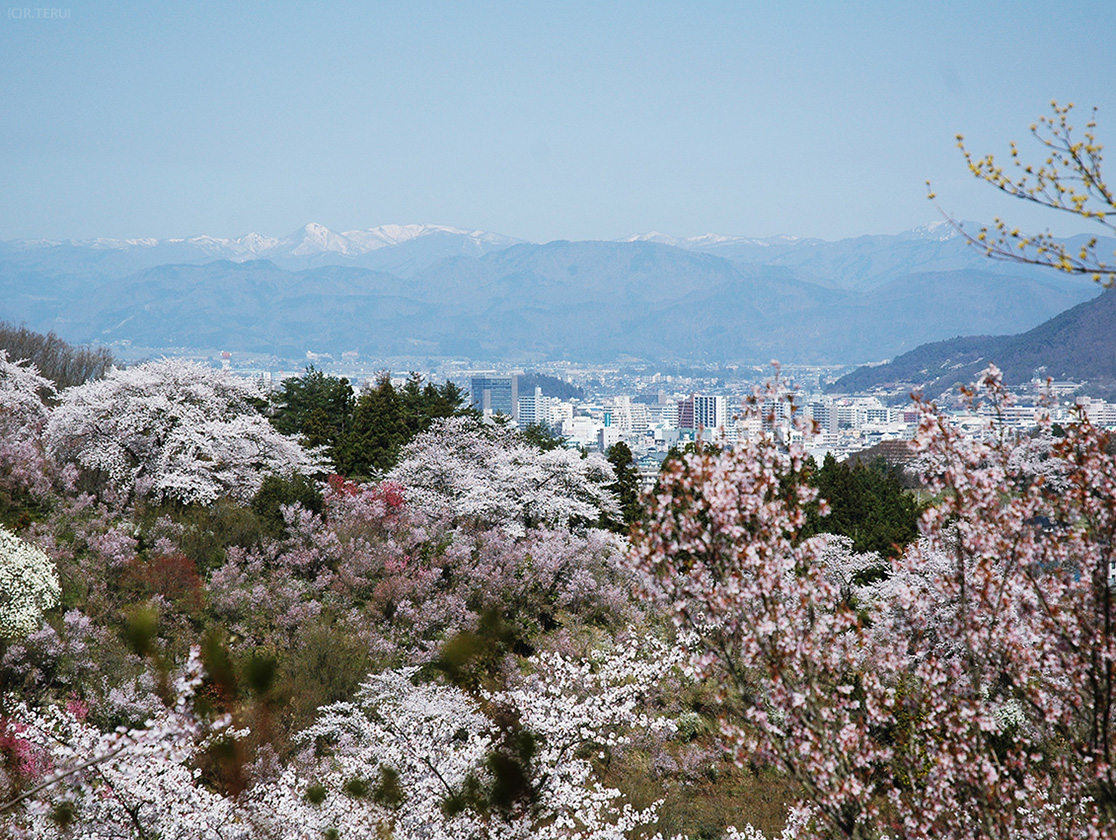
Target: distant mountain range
[426,290]
[389,247]
[1078,344]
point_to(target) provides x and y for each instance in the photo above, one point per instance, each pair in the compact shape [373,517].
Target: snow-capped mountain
[309,239]
[711,240]
[314,244]
[411,247]
[385,235]
[940,231]
[705,240]
[315,239]
[243,247]
[318,239]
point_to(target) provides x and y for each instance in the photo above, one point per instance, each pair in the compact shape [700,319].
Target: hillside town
[674,416]
[654,412]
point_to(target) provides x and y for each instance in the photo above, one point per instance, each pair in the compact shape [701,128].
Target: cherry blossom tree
[1034,459]
[125,783]
[388,763]
[1027,644]
[22,417]
[172,429]
[720,551]
[411,758]
[966,694]
[489,474]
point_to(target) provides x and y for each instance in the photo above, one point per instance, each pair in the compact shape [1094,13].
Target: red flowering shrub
[22,760]
[339,485]
[172,576]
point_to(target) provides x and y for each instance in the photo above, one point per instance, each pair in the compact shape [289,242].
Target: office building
[496,395]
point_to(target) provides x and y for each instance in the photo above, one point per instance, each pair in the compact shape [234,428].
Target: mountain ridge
[1076,344]
[468,293]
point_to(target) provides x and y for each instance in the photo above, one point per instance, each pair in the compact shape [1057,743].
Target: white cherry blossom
[172,429]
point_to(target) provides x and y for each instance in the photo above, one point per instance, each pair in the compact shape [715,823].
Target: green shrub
[277,491]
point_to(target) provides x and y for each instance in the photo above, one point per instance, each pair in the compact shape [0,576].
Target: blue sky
[548,120]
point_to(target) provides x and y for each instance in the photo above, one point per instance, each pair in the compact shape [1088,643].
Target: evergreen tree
[542,436]
[867,503]
[317,406]
[423,404]
[377,433]
[386,419]
[626,486]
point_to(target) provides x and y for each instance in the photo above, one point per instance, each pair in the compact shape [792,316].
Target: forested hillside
[1077,344]
[208,631]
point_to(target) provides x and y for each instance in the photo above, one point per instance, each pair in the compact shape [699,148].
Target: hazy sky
[542,120]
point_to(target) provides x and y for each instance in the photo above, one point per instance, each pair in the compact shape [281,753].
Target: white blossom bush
[430,736]
[845,568]
[126,783]
[430,741]
[381,765]
[172,429]
[22,417]
[28,586]
[490,475]
[1035,460]
[21,396]
[591,703]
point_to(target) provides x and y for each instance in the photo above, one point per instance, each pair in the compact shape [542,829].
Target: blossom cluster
[28,586]
[22,417]
[385,762]
[172,429]
[488,475]
[960,690]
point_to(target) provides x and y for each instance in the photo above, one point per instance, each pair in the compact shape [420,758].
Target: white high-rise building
[536,409]
[710,412]
[620,409]
[641,417]
[823,413]
[606,437]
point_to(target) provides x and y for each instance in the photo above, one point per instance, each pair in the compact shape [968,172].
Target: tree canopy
[489,474]
[866,503]
[173,430]
[317,406]
[57,360]
[965,691]
[626,486]
[28,586]
[362,434]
